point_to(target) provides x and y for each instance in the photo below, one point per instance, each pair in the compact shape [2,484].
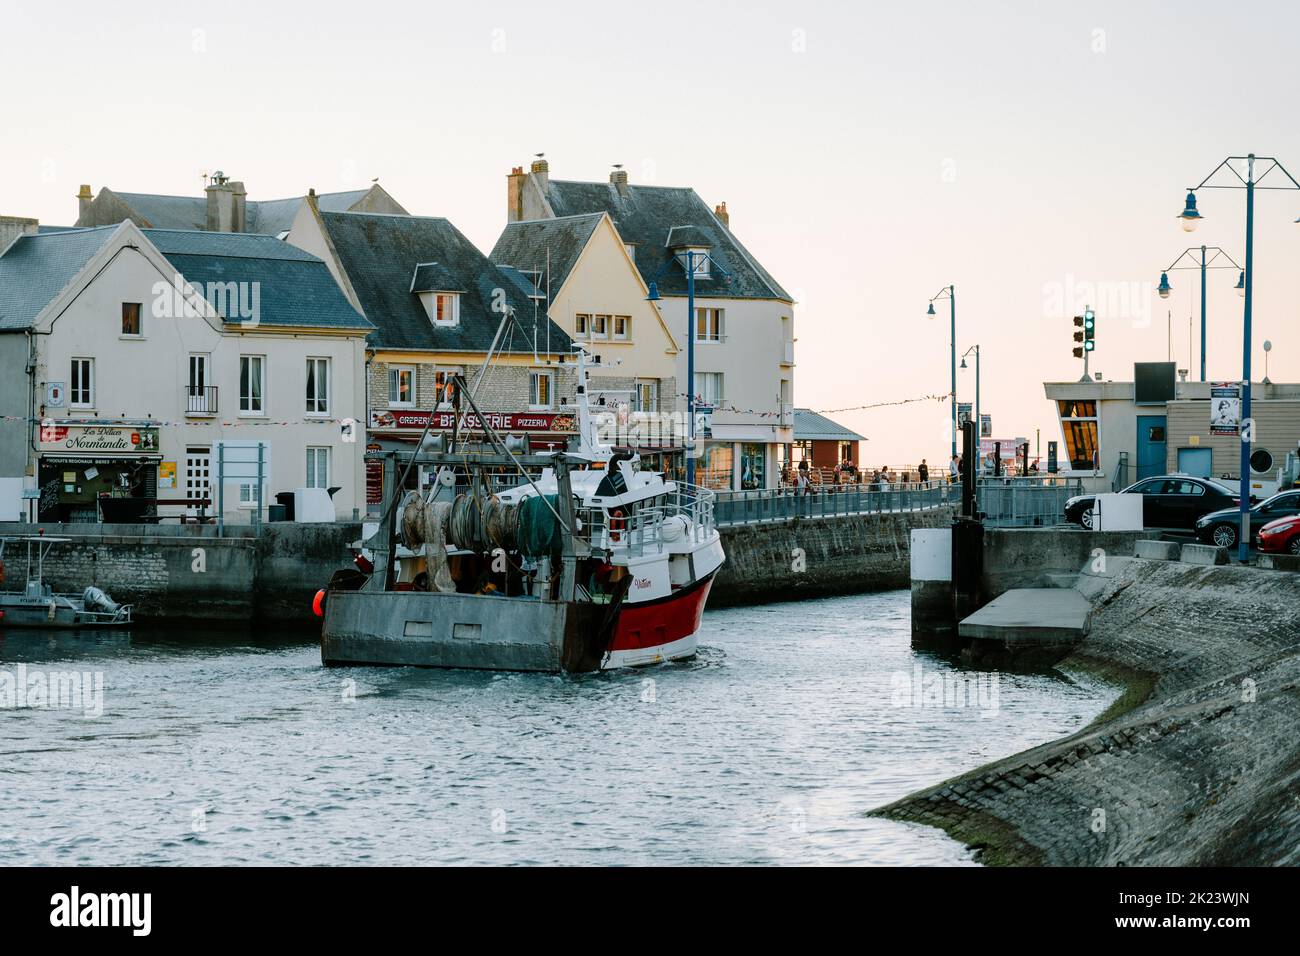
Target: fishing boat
[586,562]
[37,604]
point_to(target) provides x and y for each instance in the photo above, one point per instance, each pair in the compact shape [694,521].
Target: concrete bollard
[932,608]
[1203,554]
[1158,550]
[1278,562]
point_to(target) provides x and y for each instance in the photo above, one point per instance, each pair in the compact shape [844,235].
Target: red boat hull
[662,629]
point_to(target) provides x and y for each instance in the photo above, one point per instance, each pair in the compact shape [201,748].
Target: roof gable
[535,245]
[647,215]
[36,268]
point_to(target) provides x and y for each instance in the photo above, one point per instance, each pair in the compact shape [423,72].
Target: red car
[1281,536]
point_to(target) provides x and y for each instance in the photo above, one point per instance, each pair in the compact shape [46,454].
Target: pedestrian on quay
[922,472]
[954,470]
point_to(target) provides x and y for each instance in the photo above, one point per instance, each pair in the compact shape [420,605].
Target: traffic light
[1089,330]
[1078,336]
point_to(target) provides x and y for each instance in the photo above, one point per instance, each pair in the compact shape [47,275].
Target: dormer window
[700,258]
[443,307]
[437,288]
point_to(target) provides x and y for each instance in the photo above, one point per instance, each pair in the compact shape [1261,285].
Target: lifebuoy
[616,525]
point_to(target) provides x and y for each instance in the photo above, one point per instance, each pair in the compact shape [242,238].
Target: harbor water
[220,748]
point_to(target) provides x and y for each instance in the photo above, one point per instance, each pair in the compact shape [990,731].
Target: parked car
[1168,501]
[1222,527]
[1281,536]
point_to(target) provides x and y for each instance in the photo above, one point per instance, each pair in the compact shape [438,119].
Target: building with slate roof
[821,442]
[439,308]
[743,324]
[224,207]
[581,266]
[129,356]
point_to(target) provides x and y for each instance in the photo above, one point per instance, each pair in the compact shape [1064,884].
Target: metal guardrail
[1008,502]
[784,504]
[1025,502]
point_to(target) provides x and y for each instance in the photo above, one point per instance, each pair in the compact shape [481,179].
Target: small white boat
[37,605]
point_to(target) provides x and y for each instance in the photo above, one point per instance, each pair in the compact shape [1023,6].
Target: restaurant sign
[498,421]
[101,439]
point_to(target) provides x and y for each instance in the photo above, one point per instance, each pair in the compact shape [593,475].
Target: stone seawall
[1198,763]
[187,573]
[818,557]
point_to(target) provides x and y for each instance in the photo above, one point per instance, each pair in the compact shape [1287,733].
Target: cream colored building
[743,325]
[156,353]
[583,268]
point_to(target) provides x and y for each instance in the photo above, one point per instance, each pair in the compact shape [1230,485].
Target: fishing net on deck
[538,534]
[424,525]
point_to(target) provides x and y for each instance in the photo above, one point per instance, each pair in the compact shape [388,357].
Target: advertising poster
[1225,408]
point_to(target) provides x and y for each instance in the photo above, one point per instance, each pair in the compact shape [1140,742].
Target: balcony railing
[200,399]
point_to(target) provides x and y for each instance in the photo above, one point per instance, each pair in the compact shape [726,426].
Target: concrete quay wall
[818,557]
[1197,764]
[187,573]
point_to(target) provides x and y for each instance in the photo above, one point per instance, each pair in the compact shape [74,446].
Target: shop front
[399,429]
[93,472]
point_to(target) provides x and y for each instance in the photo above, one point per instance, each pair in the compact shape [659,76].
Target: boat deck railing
[650,528]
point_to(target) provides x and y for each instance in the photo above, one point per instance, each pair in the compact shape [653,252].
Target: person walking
[954,470]
[923,472]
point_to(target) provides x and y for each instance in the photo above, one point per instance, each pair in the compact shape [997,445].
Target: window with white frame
[709,324]
[540,395]
[600,326]
[401,386]
[252,385]
[582,324]
[247,494]
[646,397]
[81,383]
[442,382]
[708,388]
[445,308]
[623,327]
[318,466]
[318,386]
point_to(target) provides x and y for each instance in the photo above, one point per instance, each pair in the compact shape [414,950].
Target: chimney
[720,211]
[618,179]
[11,227]
[542,173]
[515,195]
[227,202]
[311,198]
[84,199]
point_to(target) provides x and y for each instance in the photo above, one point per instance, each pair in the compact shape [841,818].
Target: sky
[1034,155]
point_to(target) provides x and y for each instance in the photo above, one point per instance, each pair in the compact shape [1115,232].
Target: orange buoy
[318,603]
[615,524]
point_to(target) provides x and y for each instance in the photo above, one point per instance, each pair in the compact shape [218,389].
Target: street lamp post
[950,293]
[979,421]
[1164,288]
[1191,217]
[691,261]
